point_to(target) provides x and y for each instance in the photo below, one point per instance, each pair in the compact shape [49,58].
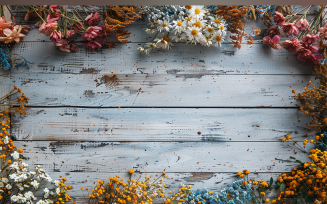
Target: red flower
[290,29]
[53,17]
[273,31]
[323,32]
[73,48]
[279,18]
[272,42]
[48,27]
[63,45]
[77,26]
[292,45]
[55,36]
[91,33]
[70,33]
[54,8]
[93,19]
[302,24]
[308,59]
[310,39]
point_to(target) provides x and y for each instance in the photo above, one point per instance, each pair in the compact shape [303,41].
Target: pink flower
[279,18]
[313,48]
[54,8]
[55,36]
[318,56]
[310,39]
[272,42]
[105,31]
[322,32]
[63,45]
[308,59]
[292,45]
[33,14]
[302,24]
[73,48]
[77,25]
[290,29]
[12,35]
[91,33]
[4,24]
[92,45]
[273,31]
[93,19]
[70,33]
[48,27]
[25,29]
[53,17]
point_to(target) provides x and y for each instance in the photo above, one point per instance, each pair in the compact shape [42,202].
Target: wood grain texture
[160,124]
[182,59]
[171,157]
[160,90]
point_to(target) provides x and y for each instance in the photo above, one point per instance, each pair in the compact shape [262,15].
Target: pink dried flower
[70,33]
[77,25]
[4,24]
[93,19]
[302,24]
[308,59]
[73,48]
[310,39]
[313,48]
[290,29]
[12,35]
[92,45]
[25,29]
[273,31]
[54,8]
[33,14]
[55,36]
[63,45]
[272,42]
[91,33]
[292,45]
[279,18]
[323,32]
[48,27]
[53,17]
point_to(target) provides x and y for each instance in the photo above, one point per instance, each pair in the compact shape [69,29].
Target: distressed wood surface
[160,90]
[160,124]
[171,157]
[182,59]
[194,133]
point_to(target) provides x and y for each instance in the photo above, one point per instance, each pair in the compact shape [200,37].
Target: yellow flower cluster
[63,196]
[180,196]
[134,191]
[312,180]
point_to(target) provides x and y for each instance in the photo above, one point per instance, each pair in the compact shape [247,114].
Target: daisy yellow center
[218,38]
[217,21]
[210,30]
[222,27]
[189,19]
[164,25]
[194,32]
[165,38]
[197,11]
[197,24]
[152,45]
[179,23]
[188,6]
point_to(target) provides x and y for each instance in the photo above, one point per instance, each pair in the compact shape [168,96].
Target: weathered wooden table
[200,114]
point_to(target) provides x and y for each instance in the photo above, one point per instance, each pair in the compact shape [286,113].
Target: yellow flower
[131,171]
[262,193]
[267,200]
[273,201]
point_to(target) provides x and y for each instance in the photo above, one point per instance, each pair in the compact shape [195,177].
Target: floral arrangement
[18,184]
[205,25]
[11,34]
[304,43]
[62,23]
[133,191]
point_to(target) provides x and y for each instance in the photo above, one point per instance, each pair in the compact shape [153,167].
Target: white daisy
[163,25]
[199,23]
[8,186]
[193,34]
[164,43]
[197,11]
[35,184]
[1,185]
[179,26]
[150,30]
[205,41]
[153,23]
[217,21]
[217,38]
[209,31]
[178,37]
[15,155]
[222,29]
[14,198]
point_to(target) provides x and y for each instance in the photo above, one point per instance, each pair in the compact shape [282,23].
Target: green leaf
[307,198]
[282,187]
[295,201]
[271,181]
[277,185]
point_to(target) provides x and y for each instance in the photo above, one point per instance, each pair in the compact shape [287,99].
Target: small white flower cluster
[194,23]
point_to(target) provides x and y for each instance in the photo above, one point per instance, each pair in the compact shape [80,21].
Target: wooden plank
[187,157]
[212,181]
[183,59]
[160,90]
[159,124]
